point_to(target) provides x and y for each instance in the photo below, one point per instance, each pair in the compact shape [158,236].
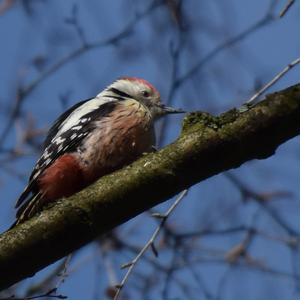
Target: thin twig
[49,294]
[263,205]
[251,101]
[266,20]
[63,275]
[45,283]
[176,49]
[150,243]
[286,8]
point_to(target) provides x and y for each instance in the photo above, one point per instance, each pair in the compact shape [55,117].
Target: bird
[91,139]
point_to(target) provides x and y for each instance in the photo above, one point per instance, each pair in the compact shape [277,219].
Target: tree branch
[207,146]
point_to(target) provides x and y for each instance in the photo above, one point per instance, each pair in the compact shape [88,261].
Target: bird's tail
[28,209]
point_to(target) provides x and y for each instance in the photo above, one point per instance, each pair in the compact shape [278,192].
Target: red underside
[62,179]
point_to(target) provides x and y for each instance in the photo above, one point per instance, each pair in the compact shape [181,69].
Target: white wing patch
[58,140]
[75,117]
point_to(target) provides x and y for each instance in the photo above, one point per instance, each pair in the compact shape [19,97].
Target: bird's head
[144,92]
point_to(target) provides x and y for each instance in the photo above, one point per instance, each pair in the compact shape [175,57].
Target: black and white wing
[65,136]
[59,121]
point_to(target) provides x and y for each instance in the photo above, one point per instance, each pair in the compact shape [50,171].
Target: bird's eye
[145,94]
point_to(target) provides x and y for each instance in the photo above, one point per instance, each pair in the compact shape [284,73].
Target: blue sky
[225,81]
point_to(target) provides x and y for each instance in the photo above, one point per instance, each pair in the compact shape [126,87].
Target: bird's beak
[171,110]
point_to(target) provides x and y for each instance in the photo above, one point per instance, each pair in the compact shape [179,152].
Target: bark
[206,146]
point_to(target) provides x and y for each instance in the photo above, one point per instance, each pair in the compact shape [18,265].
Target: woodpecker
[93,138]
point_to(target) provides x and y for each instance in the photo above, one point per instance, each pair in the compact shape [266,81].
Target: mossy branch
[207,146]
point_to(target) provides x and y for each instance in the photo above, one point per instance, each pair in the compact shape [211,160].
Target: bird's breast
[117,140]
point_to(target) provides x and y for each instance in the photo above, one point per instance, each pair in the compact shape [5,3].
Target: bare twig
[150,243]
[63,275]
[286,8]
[73,20]
[253,99]
[106,246]
[50,294]
[175,11]
[47,282]
[261,200]
[266,20]
[175,52]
